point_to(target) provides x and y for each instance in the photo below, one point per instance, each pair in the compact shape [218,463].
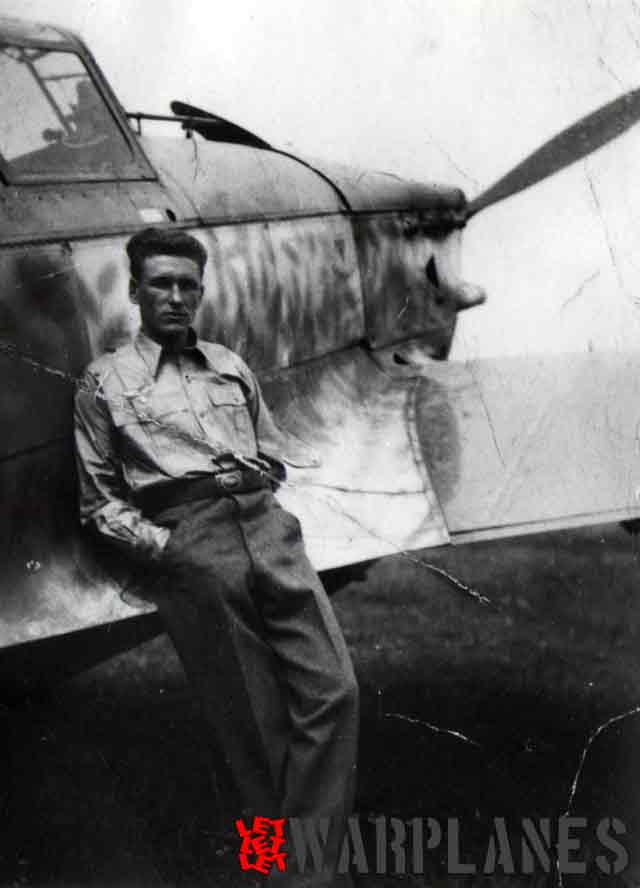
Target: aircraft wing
[371,494]
[417,453]
[544,442]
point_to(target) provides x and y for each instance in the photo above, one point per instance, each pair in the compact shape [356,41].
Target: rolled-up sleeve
[103,502]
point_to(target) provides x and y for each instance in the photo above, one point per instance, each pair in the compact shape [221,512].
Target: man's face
[168,293]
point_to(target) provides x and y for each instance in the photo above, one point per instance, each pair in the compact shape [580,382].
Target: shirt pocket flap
[133,409]
[226,393]
[143,407]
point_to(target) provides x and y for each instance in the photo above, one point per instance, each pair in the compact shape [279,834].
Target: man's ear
[133,290]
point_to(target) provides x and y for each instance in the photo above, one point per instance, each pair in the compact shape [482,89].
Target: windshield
[53,120]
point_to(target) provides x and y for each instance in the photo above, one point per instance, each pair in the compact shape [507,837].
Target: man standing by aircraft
[172,441]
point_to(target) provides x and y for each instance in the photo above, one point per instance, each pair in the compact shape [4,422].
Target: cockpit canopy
[56,122]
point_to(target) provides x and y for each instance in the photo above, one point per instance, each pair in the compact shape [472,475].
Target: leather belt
[164,496]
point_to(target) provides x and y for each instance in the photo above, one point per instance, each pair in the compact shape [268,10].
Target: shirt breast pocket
[229,413]
[136,432]
[146,426]
[226,394]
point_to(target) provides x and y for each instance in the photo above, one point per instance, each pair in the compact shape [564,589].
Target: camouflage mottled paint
[401,267]
[283,292]
[277,292]
[372,494]
[313,250]
[50,580]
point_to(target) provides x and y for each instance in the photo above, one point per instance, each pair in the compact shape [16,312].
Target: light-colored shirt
[145,417]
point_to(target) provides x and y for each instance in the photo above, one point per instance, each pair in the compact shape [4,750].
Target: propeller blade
[572,144]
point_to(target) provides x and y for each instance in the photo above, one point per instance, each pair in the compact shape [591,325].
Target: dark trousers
[259,641]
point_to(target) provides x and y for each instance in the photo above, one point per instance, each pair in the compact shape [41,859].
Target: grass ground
[107,782]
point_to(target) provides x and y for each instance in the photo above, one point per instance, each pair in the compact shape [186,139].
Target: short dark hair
[163,242]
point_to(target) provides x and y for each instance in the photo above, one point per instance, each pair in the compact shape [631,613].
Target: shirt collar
[151,351]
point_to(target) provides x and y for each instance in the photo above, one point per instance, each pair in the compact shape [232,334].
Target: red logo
[261,845]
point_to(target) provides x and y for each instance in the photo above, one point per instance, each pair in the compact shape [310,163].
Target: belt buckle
[230,480]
